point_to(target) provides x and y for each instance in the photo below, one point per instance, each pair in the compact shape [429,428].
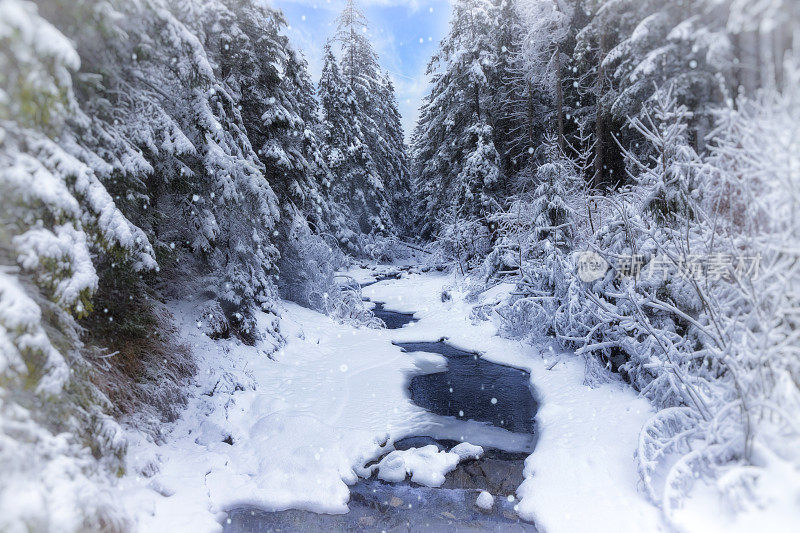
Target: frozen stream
[474,398]
[474,389]
[392,319]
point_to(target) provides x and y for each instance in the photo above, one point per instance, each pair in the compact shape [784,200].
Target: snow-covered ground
[305,420]
[581,476]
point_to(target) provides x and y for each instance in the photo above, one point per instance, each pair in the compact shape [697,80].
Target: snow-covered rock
[465,451]
[209,433]
[485,501]
[426,466]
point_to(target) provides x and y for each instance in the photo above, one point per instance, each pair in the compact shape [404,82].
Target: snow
[581,475]
[21,330]
[485,501]
[774,508]
[426,465]
[301,426]
[68,249]
[465,451]
[21,20]
[591,435]
[305,420]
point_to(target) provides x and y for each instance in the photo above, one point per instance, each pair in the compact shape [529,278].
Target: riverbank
[295,428]
[581,476]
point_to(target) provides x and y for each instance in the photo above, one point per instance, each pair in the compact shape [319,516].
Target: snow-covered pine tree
[644,45]
[535,238]
[198,161]
[456,163]
[395,163]
[56,216]
[513,99]
[274,92]
[374,92]
[281,115]
[356,183]
[547,29]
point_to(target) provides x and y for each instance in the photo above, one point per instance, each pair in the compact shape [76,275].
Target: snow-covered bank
[300,421]
[581,476]
[292,429]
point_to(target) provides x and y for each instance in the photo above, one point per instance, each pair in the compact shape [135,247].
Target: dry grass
[133,346]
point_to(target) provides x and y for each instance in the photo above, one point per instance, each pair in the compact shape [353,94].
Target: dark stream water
[392,319]
[378,506]
[474,389]
[470,394]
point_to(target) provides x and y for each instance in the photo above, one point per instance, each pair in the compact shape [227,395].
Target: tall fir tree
[456,163]
[356,183]
[377,104]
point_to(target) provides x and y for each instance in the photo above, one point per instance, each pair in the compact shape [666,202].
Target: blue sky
[405,33]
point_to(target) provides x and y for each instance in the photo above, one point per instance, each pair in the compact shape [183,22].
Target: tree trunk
[478,101]
[736,76]
[559,101]
[531,121]
[599,121]
[352,56]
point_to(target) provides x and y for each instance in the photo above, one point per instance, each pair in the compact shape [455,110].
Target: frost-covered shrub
[308,276]
[461,243]
[307,266]
[383,248]
[533,250]
[711,347]
[347,306]
[214,322]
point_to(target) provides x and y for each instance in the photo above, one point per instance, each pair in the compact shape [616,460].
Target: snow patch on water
[426,465]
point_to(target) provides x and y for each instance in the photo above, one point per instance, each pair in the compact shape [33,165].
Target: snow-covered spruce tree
[148,142]
[276,98]
[514,101]
[396,165]
[377,105]
[456,163]
[188,145]
[356,183]
[55,217]
[649,44]
[281,115]
[542,56]
[232,61]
